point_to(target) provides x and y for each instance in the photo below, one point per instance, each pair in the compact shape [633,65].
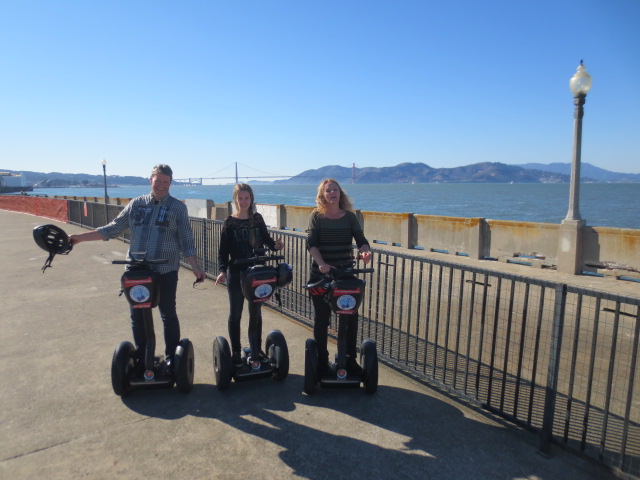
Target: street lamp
[106,197]
[579,84]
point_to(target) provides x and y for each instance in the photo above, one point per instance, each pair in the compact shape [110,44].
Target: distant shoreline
[601,204]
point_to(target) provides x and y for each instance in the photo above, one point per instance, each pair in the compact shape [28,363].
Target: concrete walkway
[61,420]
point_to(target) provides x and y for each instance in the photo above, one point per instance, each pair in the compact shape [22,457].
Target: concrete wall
[296,218]
[455,235]
[611,251]
[395,229]
[528,243]
[272,214]
[199,208]
[522,241]
[569,248]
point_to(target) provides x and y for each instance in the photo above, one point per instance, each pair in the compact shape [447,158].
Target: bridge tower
[353,173]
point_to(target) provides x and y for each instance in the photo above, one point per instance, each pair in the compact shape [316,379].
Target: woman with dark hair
[332,229]
[242,232]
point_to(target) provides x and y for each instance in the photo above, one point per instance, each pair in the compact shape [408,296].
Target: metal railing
[556,359]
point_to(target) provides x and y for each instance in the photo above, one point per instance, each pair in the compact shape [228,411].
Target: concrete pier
[61,420]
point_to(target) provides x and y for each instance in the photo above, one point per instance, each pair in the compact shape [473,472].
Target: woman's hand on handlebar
[324,268]
[365,256]
[221,278]
[278,245]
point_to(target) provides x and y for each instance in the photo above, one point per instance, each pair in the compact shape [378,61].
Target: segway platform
[158,377]
[340,378]
[252,369]
[275,363]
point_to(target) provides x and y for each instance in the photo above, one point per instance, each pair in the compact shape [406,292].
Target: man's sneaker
[353,367]
[236,359]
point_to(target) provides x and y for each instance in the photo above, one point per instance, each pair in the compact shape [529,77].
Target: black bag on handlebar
[140,286]
[346,295]
[285,274]
[258,282]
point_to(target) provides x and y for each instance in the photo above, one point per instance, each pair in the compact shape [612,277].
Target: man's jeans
[168,284]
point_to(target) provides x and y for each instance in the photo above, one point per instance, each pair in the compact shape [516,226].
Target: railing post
[551,390]
[205,240]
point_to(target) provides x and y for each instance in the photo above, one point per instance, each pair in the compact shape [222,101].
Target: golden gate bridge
[194,181]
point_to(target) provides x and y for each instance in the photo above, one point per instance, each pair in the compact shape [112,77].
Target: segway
[128,371]
[259,282]
[344,293]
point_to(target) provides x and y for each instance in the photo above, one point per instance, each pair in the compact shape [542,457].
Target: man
[159,225]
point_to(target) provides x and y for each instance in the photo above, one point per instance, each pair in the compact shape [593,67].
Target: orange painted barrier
[42,207]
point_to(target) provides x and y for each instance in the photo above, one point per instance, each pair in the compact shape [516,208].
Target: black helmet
[285,274]
[53,240]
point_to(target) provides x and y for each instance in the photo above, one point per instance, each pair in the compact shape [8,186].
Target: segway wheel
[310,367]
[369,363]
[276,348]
[184,365]
[121,364]
[222,363]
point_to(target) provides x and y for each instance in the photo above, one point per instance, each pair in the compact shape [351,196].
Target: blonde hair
[244,187]
[321,203]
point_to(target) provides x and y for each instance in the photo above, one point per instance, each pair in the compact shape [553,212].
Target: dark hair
[162,169]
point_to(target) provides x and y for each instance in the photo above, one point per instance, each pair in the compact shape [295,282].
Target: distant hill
[586,170]
[57,179]
[421,173]
[487,172]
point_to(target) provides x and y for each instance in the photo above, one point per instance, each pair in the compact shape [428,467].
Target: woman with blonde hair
[242,232]
[332,229]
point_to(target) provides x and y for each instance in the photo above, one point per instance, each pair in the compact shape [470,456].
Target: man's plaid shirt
[158,230]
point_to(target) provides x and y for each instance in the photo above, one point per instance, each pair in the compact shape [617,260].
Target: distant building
[14,183]
[13,180]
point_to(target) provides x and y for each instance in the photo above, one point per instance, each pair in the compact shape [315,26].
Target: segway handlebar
[353,271]
[133,261]
[259,257]
[321,286]
[341,271]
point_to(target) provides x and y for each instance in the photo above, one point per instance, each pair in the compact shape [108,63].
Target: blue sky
[282,86]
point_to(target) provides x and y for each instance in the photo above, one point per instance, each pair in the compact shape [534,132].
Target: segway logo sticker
[148,375]
[255,282]
[346,302]
[130,282]
[139,293]
[263,291]
[340,291]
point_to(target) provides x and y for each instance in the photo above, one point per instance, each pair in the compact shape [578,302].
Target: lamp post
[106,197]
[579,84]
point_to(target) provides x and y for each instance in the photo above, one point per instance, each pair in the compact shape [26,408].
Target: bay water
[601,204]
